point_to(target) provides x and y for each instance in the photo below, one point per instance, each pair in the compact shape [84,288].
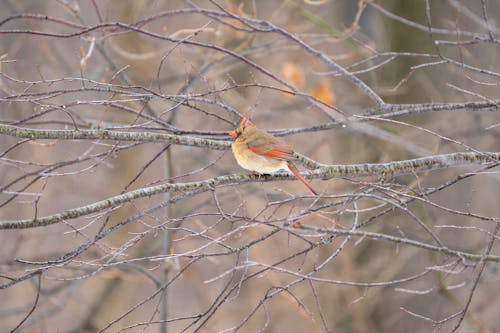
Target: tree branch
[322,171]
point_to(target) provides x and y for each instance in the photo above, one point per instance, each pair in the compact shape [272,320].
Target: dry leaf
[293,73]
[324,92]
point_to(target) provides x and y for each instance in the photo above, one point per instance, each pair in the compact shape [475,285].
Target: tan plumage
[261,152]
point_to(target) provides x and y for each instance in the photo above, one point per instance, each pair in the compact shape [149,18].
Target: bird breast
[254,162]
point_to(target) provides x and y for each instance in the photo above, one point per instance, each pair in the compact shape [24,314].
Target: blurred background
[224,259]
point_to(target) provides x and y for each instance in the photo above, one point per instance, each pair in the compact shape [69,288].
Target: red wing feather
[272,151]
[277,152]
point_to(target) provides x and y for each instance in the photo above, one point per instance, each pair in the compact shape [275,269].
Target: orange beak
[233,134]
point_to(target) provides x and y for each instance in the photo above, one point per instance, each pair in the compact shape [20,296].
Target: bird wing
[265,144]
[274,150]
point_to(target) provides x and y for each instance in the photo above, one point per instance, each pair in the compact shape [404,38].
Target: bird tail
[293,169]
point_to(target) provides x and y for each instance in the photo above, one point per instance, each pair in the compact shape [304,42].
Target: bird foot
[260,175]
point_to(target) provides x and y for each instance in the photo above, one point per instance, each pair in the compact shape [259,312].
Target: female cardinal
[259,151]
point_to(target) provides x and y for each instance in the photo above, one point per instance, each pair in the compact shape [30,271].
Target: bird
[263,153]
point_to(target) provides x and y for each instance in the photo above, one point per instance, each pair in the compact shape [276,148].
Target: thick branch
[403,167]
[320,171]
[103,134]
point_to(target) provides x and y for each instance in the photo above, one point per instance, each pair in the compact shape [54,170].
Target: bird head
[242,125]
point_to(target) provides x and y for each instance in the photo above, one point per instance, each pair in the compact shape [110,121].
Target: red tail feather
[296,173]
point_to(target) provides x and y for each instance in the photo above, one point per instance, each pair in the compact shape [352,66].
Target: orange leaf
[293,73]
[324,92]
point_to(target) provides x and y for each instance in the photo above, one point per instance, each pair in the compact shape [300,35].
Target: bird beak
[233,134]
